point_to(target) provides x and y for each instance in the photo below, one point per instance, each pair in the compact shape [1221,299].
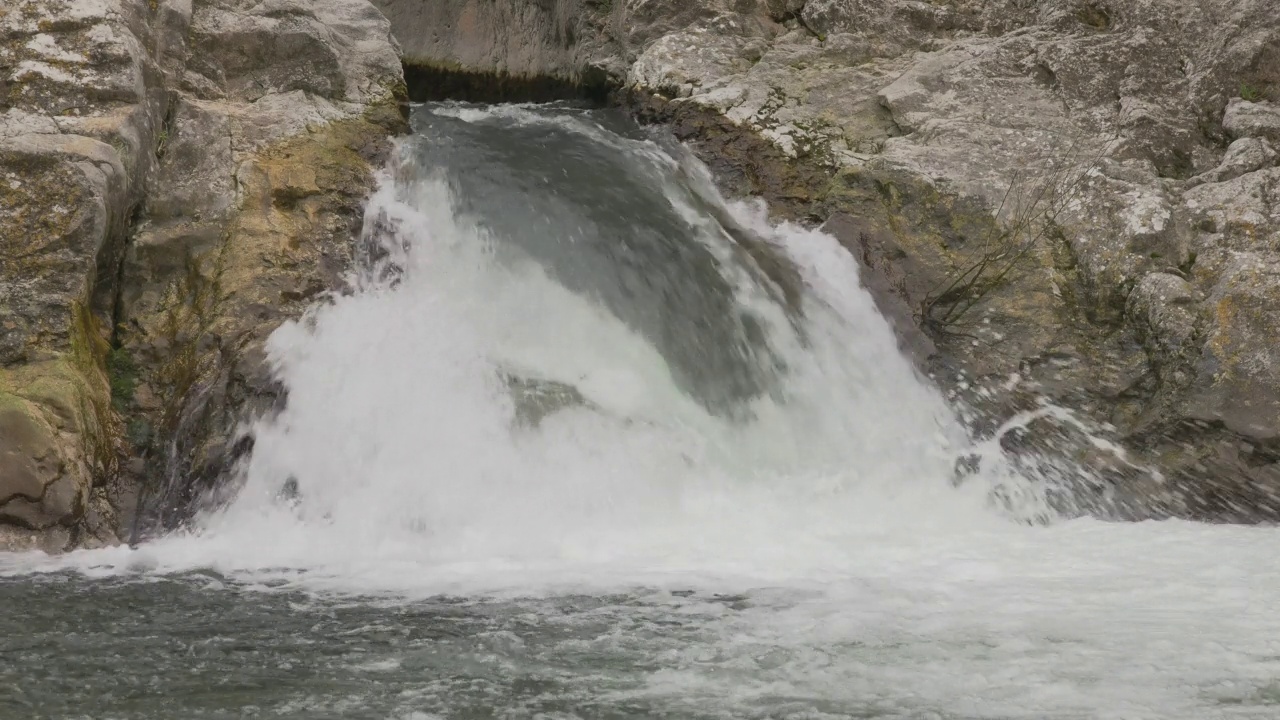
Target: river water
[589,441]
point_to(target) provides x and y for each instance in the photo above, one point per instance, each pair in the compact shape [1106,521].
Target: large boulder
[520,38]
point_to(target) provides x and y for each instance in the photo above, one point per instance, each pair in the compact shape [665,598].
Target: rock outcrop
[483,50]
[1064,201]
[177,177]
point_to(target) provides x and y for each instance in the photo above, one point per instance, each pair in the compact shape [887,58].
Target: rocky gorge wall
[1062,201]
[177,177]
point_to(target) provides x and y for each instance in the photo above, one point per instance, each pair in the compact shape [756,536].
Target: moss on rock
[198,350]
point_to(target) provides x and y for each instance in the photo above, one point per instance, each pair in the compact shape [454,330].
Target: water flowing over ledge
[694,401]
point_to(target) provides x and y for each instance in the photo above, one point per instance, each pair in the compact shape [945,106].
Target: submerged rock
[534,398]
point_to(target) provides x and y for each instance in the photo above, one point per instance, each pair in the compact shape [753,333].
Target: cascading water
[589,441]
[690,405]
[608,281]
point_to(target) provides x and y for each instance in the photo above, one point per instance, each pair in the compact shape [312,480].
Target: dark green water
[194,646]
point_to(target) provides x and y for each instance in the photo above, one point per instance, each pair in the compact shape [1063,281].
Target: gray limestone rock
[138,142]
[247,49]
[82,98]
[1243,156]
[520,38]
[1245,119]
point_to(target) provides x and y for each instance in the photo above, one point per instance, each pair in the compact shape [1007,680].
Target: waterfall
[565,350]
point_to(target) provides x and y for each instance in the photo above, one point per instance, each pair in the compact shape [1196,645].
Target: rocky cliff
[1061,201]
[176,178]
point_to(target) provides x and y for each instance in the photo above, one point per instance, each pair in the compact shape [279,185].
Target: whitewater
[568,449]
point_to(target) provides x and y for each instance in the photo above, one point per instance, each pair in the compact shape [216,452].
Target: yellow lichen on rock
[198,335]
[173,186]
[58,439]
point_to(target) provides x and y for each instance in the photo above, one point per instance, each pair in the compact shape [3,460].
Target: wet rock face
[176,178]
[1124,155]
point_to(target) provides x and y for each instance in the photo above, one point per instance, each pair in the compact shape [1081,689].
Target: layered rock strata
[177,177]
